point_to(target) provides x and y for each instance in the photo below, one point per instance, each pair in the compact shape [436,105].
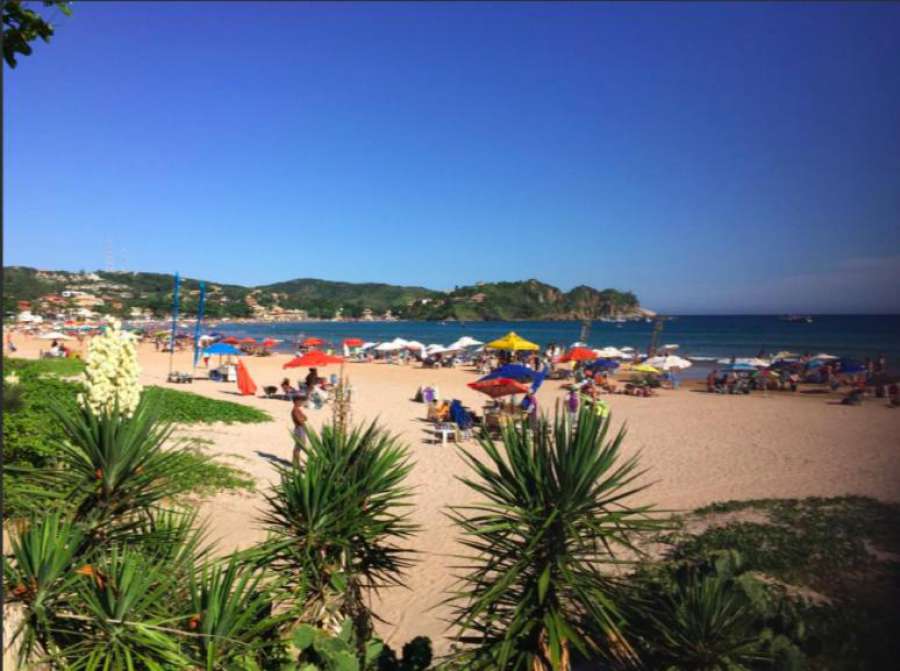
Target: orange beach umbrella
[579,354]
[500,386]
[313,359]
[312,341]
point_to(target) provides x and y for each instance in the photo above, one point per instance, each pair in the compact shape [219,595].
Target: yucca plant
[554,512]
[231,620]
[336,524]
[37,575]
[709,615]
[114,467]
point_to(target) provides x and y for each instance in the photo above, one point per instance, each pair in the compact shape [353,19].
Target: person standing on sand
[10,345]
[298,417]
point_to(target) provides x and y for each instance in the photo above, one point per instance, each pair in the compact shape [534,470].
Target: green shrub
[187,408]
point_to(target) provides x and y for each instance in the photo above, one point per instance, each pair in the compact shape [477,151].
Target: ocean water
[855,336]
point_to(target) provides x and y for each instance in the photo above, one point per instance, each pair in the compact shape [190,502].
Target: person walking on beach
[572,406]
[298,417]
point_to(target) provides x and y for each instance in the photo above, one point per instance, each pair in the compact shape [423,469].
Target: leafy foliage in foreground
[553,516]
[832,547]
[33,435]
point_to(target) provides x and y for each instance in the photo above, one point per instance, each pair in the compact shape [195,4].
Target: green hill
[122,291]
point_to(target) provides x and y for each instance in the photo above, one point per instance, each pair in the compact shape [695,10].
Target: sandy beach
[697,448]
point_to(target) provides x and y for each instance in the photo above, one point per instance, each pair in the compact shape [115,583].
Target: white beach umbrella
[669,362]
[388,347]
[435,349]
[368,345]
[466,341]
[579,344]
[54,335]
[611,353]
[400,342]
[670,347]
[821,356]
[414,344]
[749,361]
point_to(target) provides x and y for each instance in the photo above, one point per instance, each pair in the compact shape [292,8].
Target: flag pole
[174,322]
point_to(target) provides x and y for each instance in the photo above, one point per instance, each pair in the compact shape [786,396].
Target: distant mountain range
[121,292]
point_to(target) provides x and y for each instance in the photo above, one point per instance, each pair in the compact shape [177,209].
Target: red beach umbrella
[312,341]
[353,342]
[231,340]
[248,341]
[579,354]
[268,342]
[313,359]
[500,386]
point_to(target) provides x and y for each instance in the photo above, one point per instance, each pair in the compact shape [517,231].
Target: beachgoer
[711,380]
[572,405]
[10,345]
[880,365]
[312,379]
[289,391]
[298,417]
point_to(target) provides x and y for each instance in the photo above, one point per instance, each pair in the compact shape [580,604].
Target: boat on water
[797,319]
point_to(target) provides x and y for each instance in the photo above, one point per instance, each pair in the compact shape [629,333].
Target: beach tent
[222,349]
[313,359]
[579,354]
[498,387]
[669,362]
[512,342]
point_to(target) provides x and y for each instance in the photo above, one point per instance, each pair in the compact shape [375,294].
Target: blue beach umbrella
[222,348]
[740,368]
[603,364]
[514,371]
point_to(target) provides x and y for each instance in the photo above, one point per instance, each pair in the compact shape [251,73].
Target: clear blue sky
[712,158]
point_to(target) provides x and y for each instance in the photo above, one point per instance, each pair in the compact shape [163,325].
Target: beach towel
[244,382]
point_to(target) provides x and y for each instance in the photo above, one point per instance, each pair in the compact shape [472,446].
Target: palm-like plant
[554,514]
[337,521]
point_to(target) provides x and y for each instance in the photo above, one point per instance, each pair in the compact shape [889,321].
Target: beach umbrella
[313,359]
[466,341]
[513,342]
[643,368]
[415,344]
[312,341]
[579,354]
[514,371]
[269,342]
[610,353]
[367,345]
[784,354]
[54,335]
[222,349]
[498,387]
[353,342]
[230,340]
[739,368]
[669,347]
[388,347]
[669,362]
[824,357]
[247,341]
[603,364]
[245,383]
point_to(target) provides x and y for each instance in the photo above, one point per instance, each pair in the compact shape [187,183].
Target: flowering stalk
[111,374]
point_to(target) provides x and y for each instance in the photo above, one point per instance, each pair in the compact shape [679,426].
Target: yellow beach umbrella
[644,368]
[512,341]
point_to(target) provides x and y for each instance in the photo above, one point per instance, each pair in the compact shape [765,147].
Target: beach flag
[200,307]
[244,382]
